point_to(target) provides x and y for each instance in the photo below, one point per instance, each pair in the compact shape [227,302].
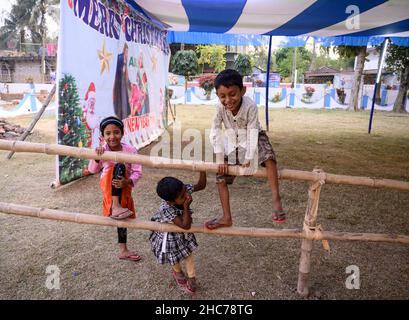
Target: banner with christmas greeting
[112,61]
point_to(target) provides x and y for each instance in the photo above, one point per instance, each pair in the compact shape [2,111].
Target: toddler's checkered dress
[178,245]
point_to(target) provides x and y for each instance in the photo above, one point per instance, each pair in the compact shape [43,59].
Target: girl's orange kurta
[126,196]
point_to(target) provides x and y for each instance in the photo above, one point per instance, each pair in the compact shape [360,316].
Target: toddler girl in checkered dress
[173,247]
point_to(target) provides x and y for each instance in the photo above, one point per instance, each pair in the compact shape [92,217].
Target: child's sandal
[279,216]
[126,213]
[179,278]
[191,286]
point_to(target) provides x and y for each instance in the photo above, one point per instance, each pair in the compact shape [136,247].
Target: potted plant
[276,97]
[341,95]
[173,79]
[206,82]
[309,91]
[259,82]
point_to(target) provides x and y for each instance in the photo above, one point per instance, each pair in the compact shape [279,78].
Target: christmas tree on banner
[72,130]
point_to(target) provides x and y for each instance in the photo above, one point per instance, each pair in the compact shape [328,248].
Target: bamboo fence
[82,218]
[165,163]
[310,232]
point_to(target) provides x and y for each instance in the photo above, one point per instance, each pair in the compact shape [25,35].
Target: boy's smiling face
[230,97]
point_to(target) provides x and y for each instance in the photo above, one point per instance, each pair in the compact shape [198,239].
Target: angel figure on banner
[135,100]
[143,85]
[138,98]
[91,119]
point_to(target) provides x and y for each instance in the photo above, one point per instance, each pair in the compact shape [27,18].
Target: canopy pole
[378,78]
[268,80]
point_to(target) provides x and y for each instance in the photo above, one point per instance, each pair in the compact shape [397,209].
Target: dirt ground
[227,267]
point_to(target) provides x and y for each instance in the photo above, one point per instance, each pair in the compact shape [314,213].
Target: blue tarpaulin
[245,22]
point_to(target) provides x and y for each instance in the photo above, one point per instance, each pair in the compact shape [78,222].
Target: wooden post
[169,104]
[37,117]
[310,222]
[171,111]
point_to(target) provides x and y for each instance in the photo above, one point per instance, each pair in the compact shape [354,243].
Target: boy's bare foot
[218,223]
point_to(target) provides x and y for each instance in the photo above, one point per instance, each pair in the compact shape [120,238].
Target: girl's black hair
[111,120]
[228,78]
[169,188]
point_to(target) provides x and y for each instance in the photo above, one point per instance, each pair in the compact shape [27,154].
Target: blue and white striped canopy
[351,22]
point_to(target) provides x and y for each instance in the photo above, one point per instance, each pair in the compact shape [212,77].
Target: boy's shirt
[241,130]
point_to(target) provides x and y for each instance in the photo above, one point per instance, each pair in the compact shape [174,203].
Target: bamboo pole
[59,215]
[37,117]
[169,104]
[165,163]
[310,223]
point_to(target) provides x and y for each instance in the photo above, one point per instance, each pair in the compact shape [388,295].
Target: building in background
[18,69]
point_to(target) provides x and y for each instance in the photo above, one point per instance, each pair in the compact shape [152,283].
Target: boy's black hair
[111,120]
[169,188]
[228,78]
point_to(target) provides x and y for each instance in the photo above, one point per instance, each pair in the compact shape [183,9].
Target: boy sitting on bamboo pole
[245,144]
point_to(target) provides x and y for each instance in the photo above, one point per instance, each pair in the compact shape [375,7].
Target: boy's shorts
[265,152]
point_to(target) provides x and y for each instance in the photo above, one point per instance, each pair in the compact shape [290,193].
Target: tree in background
[284,58]
[341,63]
[243,64]
[259,58]
[185,63]
[27,17]
[72,130]
[397,60]
[352,52]
[15,28]
[213,55]
[40,9]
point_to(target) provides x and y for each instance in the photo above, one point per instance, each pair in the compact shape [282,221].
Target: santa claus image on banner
[91,119]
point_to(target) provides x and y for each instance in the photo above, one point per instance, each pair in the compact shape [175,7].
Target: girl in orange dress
[117,180]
